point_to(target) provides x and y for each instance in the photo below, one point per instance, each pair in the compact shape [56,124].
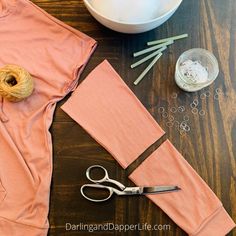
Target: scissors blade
[160,189]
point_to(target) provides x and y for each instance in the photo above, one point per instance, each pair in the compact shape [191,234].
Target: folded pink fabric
[105,107]
[195,208]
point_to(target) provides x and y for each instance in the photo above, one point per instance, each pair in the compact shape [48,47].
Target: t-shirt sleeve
[64,49]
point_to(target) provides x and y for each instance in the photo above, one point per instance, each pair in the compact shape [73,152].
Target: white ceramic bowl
[132,16]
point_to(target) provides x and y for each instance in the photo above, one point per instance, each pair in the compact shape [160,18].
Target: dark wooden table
[209,147]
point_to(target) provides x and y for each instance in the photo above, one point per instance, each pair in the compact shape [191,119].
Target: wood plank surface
[209,147]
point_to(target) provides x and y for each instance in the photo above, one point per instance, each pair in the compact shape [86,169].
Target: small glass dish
[206,59]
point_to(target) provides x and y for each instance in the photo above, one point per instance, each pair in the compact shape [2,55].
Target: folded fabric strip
[195,208]
[105,107]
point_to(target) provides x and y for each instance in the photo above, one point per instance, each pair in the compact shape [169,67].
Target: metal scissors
[120,188]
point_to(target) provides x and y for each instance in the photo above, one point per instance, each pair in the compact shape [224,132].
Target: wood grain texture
[210,147]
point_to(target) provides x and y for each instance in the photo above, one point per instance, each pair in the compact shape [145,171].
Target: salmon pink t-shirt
[54,54]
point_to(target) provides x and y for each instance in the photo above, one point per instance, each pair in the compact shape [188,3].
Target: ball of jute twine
[16,83]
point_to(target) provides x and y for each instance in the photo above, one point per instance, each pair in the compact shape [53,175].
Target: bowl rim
[87,3]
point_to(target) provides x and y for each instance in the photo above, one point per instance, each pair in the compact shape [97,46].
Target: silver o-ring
[171,118]
[186,128]
[183,125]
[202,113]
[180,109]
[192,105]
[203,96]
[169,124]
[161,109]
[195,102]
[218,90]
[182,132]
[208,94]
[173,109]
[165,114]
[216,96]
[195,110]
[186,118]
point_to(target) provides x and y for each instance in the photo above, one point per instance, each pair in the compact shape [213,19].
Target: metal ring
[169,124]
[186,118]
[202,113]
[203,96]
[216,96]
[182,132]
[195,102]
[208,94]
[164,114]
[171,118]
[218,90]
[192,105]
[173,109]
[183,123]
[182,127]
[195,110]
[161,109]
[187,128]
